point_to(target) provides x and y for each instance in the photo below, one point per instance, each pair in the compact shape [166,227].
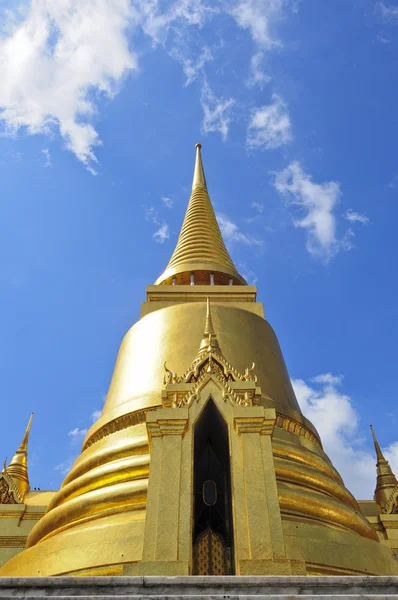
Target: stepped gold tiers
[202,462]
[200,255]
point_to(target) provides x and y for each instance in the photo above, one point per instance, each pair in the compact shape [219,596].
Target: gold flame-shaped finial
[18,467]
[200,248]
[386,482]
[209,341]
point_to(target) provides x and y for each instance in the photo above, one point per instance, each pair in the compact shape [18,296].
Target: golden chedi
[202,462]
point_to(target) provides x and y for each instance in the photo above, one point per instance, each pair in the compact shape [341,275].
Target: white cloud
[55,60]
[47,158]
[270,125]
[216,112]
[259,16]
[355,217]
[168,202]
[328,378]
[257,76]
[317,201]
[232,234]
[337,422]
[388,13]
[162,234]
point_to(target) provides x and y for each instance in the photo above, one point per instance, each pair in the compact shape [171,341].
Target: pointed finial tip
[198,146]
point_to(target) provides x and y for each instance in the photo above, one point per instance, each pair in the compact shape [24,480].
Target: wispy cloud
[232,234]
[270,125]
[317,201]
[66,466]
[388,12]
[257,77]
[162,233]
[77,434]
[216,112]
[53,60]
[157,18]
[47,158]
[258,206]
[248,275]
[355,217]
[96,415]
[337,421]
[192,68]
[168,202]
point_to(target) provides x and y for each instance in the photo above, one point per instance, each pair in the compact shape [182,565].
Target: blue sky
[101,103]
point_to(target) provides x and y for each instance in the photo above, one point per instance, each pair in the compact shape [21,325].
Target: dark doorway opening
[212,527]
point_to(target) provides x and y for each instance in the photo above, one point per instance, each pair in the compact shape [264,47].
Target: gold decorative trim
[139,416]
[391,506]
[13,542]
[118,424]
[17,515]
[289,424]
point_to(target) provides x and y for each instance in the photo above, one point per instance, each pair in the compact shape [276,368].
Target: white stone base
[210,588]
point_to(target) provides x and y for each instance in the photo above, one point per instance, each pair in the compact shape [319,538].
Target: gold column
[265,549]
[166,428]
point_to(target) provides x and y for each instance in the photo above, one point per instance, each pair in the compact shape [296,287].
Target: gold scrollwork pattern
[123,422]
[297,428]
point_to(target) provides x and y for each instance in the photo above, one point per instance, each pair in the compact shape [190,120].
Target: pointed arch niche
[172,525]
[212,534]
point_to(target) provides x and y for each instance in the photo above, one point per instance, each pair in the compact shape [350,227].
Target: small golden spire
[199,178]
[379,453]
[18,467]
[209,323]
[209,341]
[386,482]
[200,247]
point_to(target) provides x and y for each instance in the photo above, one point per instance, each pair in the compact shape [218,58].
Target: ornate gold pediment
[8,490]
[391,506]
[210,363]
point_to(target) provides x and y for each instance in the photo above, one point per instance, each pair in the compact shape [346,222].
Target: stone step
[205,596]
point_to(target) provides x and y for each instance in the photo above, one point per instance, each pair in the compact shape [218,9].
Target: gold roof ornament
[200,247]
[210,361]
[386,492]
[18,467]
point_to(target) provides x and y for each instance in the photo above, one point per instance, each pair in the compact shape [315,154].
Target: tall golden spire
[386,483]
[18,467]
[200,249]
